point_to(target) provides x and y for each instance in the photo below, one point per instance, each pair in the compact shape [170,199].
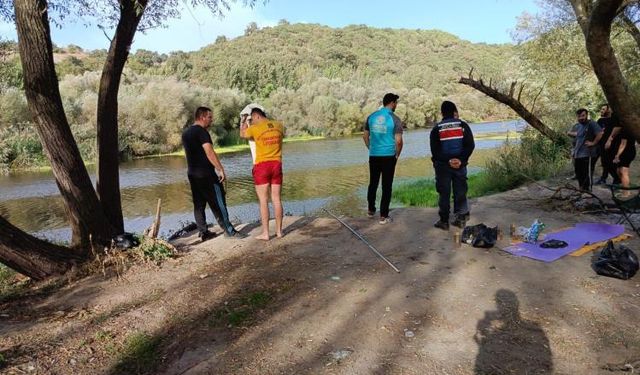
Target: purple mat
[581,234]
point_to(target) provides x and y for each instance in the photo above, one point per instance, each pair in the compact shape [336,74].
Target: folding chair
[627,200]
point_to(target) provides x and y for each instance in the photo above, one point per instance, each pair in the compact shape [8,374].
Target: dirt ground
[319,302]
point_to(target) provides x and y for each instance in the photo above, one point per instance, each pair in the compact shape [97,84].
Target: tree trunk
[605,64]
[108,184]
[31,256]
[517,106]
[84,211]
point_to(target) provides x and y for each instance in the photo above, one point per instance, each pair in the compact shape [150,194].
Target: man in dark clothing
[588,133]
[451,146]
[606,156]
[383,137]
[206,174]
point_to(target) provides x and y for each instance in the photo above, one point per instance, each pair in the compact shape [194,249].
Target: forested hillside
[318,80]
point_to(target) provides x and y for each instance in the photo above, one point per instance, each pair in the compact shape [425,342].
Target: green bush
[20,147]
[155,251]
[533,158]
[230,138]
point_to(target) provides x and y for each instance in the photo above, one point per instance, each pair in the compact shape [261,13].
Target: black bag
[553,244]
[619,262]
[480,236]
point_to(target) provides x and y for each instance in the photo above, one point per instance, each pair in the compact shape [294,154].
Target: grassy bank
[533,158]
[422,193]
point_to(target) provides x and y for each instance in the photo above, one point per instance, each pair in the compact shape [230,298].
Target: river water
[328,173]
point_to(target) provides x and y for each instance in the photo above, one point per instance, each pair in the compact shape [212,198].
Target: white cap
[247,110]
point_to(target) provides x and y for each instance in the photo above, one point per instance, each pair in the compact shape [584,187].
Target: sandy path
[245,307]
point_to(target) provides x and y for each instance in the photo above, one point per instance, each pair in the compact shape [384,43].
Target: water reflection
[317,174]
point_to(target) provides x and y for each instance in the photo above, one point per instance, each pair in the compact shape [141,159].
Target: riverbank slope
[319,302]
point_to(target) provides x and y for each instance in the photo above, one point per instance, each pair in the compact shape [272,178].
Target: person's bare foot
[279,234]
[263,237]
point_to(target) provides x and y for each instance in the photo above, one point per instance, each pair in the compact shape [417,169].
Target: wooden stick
[155,227]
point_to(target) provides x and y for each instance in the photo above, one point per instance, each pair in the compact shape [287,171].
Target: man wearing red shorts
[267,167]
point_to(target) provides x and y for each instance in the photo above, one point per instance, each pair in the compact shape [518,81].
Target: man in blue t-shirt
[587,135]
[383,137]
[206,174]
[451,143]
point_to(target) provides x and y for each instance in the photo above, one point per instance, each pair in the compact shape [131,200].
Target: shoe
[459,223]
[385,220]
[235,234]
[206,236]
[442,224]
[601,181]
[370,214]
[460,220]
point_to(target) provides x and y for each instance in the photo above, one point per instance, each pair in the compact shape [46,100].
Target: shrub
[154,250]
[533,158]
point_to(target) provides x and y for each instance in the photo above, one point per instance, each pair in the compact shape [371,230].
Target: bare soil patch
[319,302]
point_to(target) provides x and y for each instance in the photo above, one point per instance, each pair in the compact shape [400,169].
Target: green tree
[10,70]
[251,28]
[91,219]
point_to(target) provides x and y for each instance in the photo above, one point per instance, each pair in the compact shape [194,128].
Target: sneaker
[206,236]
[370,214]
[601,181]
[385,220]
[441,224]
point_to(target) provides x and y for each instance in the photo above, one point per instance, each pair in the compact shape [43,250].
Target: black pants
[584,172]
[446,178]
[385,166]
[608,168]
[209,190]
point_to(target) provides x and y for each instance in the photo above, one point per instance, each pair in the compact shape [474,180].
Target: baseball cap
[247,110]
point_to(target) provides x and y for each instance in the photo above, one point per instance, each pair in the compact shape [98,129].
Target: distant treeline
[317,80]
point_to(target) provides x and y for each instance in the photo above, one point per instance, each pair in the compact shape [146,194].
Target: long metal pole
[363,240]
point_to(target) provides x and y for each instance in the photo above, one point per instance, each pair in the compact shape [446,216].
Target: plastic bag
[480,235]
[531,234]
[619,262]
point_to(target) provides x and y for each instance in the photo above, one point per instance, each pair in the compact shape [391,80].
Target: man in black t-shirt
[206,174]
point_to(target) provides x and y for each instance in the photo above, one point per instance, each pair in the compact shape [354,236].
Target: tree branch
[517,106]
[631,28]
